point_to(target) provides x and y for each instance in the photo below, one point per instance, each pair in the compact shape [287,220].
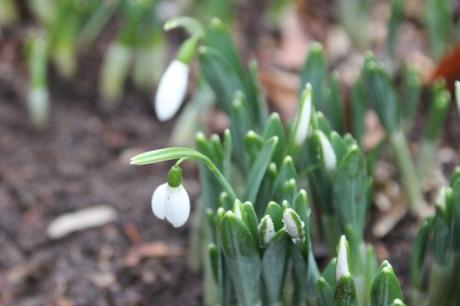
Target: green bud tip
[175,176]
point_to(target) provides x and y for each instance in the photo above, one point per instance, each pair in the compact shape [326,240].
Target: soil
[82,160]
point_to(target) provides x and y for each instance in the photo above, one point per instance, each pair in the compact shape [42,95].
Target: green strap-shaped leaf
[274,267]
[242,259]
[350,190]
[333,104]
[345,293]
[275,211]
[419,249]
[221,75]
[386,287]
[411,90]
[314,72]
[218,38]
[325,293]
[274,127]
[258,169]
[381,94]
[438,23]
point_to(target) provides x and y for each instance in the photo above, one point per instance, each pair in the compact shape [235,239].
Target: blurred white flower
[302,125]
[342,268]
[330,160]
[171,90]
[171,203]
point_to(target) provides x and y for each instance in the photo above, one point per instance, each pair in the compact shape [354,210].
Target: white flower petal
[171,90]
[159,200]
[177,206]
[342,268]
[304,119]
[330,160]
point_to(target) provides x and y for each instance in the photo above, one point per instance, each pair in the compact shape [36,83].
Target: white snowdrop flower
[171,203]
[342,268]
[171,90]
[330,160]
[170,200]
[293,225]
[266,230]
[302,124]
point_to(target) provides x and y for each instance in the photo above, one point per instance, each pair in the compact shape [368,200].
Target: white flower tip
[342,268]
[293,226]
[330,160]
[171,90]
[172,204]
[267,229]
[303,121]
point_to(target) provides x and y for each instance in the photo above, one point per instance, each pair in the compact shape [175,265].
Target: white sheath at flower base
[171,203]
[171,90]
[342,268]
[303,119]
[330,160]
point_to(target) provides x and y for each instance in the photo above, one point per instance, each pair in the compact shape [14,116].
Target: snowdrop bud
[171,90]
[170,200]
[330,160]
[266,230]
[293,225]
[302,123]
[342,268]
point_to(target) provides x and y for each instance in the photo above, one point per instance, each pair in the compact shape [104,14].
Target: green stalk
[429,144]
[114,72]
[408,175]
[181,154]
[38,100]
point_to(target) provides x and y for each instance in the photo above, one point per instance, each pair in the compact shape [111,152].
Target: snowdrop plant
[439,236]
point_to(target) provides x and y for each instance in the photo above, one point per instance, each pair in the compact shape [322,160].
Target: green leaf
[411,90]
[381,94]
[275,211]
[345,293]
[218,38]
[274,267]
[350,190]
[358,109]
[333,104]
[418,254]
[242,258]
[221,75]
[386,287]
[325,293]
[253,144]
[314,72]
[274,127]
[258,169]
[438,23]
[250,219]
[286,172]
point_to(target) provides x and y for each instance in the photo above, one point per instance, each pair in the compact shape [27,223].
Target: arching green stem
[182,154]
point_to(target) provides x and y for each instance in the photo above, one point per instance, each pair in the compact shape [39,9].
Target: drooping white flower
[302,123]
[330,160]
[171,90]
[171,203]
[342,268]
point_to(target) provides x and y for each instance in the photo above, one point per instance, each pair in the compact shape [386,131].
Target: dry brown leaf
[157,249]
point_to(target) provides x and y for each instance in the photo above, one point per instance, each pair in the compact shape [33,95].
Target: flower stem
[408,174]
[182,154]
